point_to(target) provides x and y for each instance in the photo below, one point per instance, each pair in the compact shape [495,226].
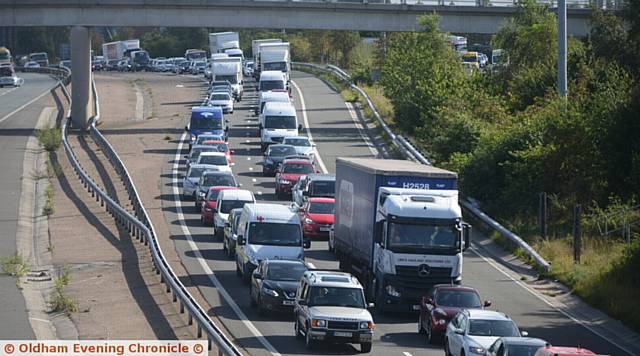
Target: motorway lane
[15,130]
[335,135]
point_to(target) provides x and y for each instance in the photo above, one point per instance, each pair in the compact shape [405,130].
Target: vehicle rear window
[219,179]
[266,85]
[480,327]
[321,208]
[323,188]
[297,168]
[450,298]
[215,160]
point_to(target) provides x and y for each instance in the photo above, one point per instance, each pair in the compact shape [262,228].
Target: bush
[50,138]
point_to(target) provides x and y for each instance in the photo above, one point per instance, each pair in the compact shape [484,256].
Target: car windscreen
[297,168]
[271,85]
[227,205]
[214,160]
[213,194]
[421,236]
[458,299]
[335,296]
[281,66]
[219,97]
[323,188]
[279,122]
[285,271]
[230,78]
[321,208]
[479,327]
[281,151]
[213,180]
[206,124]
[301,142]
[275,234]
[38,57]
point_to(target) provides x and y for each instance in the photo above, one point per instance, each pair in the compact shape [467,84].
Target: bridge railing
[408,150]
[578,4]
[139,225]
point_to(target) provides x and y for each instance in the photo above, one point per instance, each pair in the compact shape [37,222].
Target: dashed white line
[254,180]
[307,127]
[407,354]
[248,158]
[25,105]
[250,168]
[259,192]
[203,264]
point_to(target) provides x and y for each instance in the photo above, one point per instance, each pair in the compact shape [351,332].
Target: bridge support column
[80,77]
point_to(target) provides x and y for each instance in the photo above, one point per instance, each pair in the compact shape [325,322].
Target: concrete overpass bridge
[457,16]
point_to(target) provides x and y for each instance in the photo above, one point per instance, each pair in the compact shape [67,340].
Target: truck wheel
[365,347]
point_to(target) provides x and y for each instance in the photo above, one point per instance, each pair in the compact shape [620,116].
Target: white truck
[120,49]
[399,228]
[229,69]
[221,41]
[255,48]
[275,56]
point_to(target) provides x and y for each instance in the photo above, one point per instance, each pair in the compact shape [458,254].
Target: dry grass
[381,102]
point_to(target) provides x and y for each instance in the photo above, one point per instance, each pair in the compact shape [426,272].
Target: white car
[302,145]
[473,331]
[190,180]
[223,100]
[9,78]
[31,65]
[217,159]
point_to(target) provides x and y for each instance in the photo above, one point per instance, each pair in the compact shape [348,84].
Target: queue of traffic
[395,227]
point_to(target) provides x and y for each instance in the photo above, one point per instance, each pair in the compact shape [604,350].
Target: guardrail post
[181,308]
[190,320]
[199,335]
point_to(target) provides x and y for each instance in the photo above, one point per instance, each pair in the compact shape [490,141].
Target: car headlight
[308,221]
[367,325]
[270,292]
[253,260]
[319,323]
[201,194]
[192,139]
[442,321]
[392,291]
[476,350]
[283,181]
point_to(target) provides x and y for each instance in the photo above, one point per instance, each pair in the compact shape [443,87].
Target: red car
[563,351]
[289,172]
[221,146]
[441,304]
[317,216]
[209,203]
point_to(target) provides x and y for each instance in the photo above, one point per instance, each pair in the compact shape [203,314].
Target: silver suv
[331,306]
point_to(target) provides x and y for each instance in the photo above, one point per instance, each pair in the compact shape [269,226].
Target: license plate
[342,334]
[324,228]
[287,302]
[416,307]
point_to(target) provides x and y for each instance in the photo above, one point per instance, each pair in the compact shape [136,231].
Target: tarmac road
[19,112]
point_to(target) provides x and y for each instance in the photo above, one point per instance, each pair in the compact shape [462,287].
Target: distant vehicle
[230,233]
[8,77]
[278,96]
[210,203]
[40,57]
[484,60]
[317,216]
[32,64]
[195,55]
[198,67]
[265,232]
[228,201]
[211,179]
[96,65]
[525,346]
[182,67]
[247,69]
[222,100]
[302,144]
[273,156]
[196,151]
[288,173]
[219,42]
[458,43]
[274,284]
[140,60]
[473,58]
[279,120]
[5,55]
[255,47]
[191,178]
[229,69]
[314,185]
[549,350]
[124,65]
[473,331]
[235,52]
[441,304]
[331,307]
[112,65]
[65,64]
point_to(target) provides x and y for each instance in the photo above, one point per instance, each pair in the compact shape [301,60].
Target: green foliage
[48,208]
[50,138]
[16,266]
[60,301]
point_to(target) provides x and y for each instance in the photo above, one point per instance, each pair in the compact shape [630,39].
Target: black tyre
[421,330]
[252,301]
[238,272]
[365,347]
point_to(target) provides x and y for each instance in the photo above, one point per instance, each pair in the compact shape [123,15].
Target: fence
[409,151]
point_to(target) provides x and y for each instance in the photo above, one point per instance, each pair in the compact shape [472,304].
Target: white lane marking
[259,192]
[359,126]
[250,168]
[203,264]
[248,158]
[25,105]
[308,129]
[179,86]
[311,265]
[247,133]
[544,300]
[9,91]
[254,180]
[407,354]
[40,320]
[247,141]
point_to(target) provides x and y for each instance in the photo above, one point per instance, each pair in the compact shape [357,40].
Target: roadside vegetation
[16,266]
[60,301]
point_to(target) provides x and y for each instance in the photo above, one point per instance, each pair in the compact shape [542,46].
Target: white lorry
[229,69]
[255,48]
[120,49]
[221,41]
[275,56]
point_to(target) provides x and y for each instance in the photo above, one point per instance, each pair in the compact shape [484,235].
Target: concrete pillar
[80,77]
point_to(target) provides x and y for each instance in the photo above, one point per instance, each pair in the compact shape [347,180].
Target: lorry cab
[267,231]
[235,52]
[280,96]
[206,120]
[279,120]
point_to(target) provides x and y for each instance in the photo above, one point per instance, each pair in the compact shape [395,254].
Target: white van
[267,231]
[279,120]
[271,80]
[227,201]
[269,96]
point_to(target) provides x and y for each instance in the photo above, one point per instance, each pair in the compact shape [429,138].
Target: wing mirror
[302,302]
[240,240]
[186,128]
[487,303]
[458,331]
[299,127]
[428,301]
[306,243]
[466,236]
[257,275]
[524,333]
[371,306]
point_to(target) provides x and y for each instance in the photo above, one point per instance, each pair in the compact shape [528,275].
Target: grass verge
[60,301]
[16,266]
[50,138]
[48,208]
